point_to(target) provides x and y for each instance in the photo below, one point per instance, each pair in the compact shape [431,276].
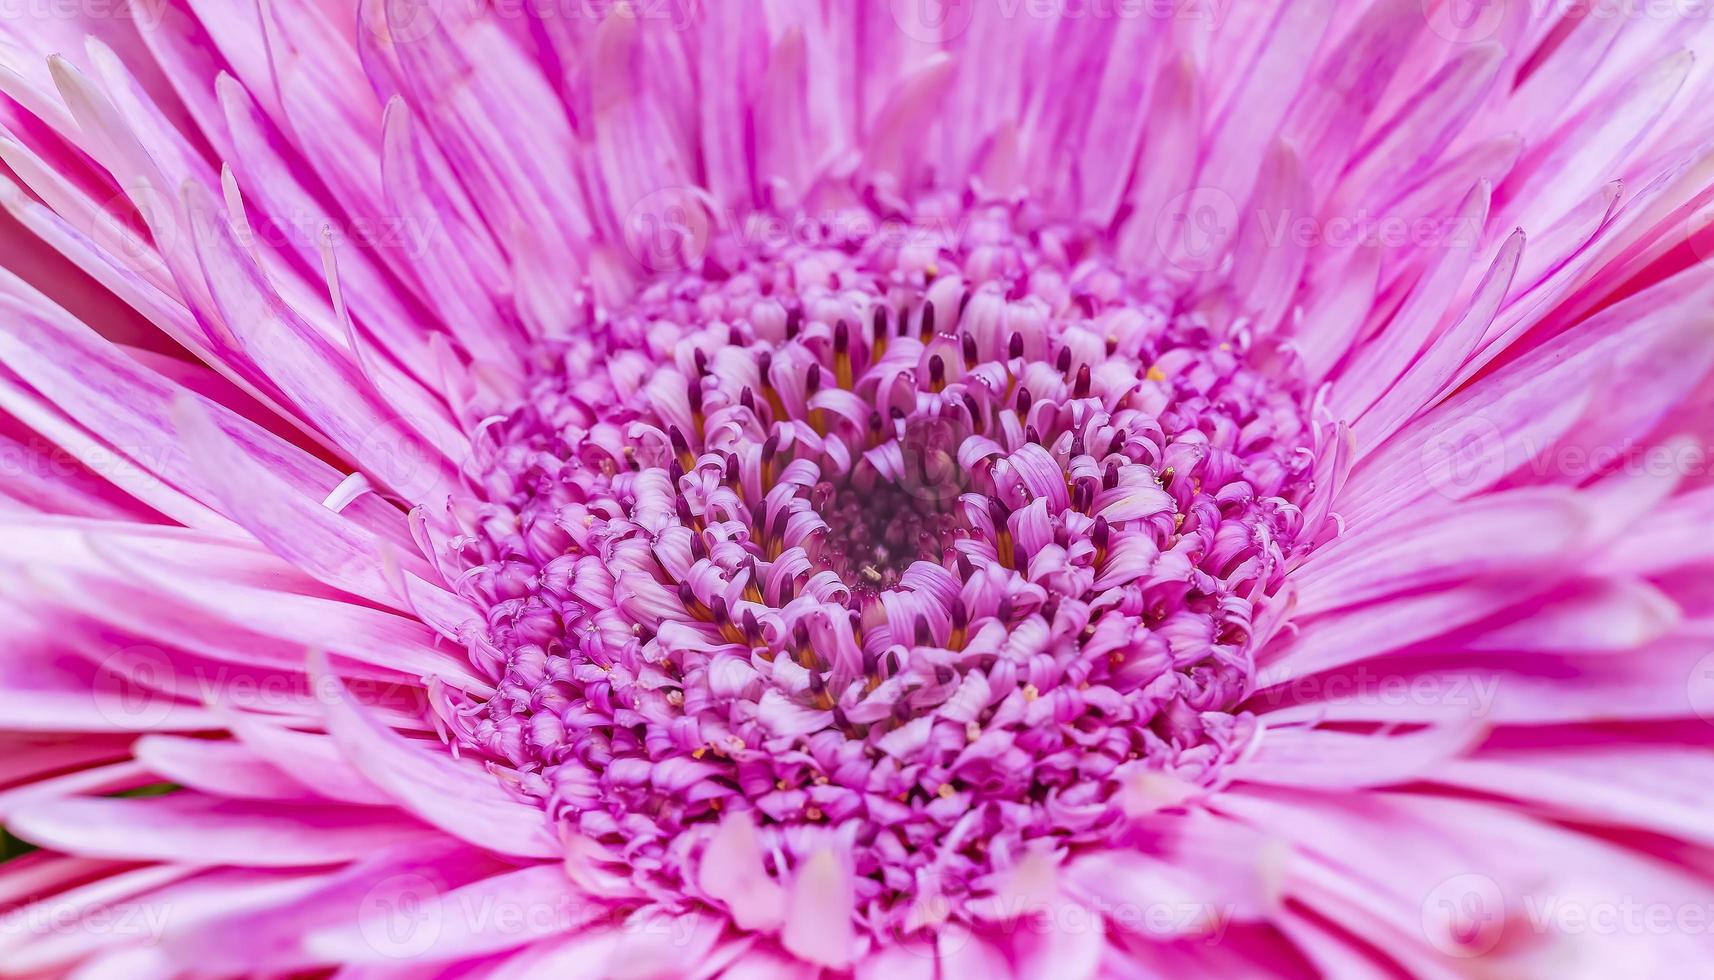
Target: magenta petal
[193,828]
[443,791]
[732,872]
[919,489]
[818,912]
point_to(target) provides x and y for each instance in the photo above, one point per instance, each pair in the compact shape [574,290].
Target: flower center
[942,548]
[877,531]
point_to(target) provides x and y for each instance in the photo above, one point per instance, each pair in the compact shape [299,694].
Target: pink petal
[188,827]
[818,925]
[425,778]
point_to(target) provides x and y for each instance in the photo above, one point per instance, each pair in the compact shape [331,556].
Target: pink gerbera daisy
[1133,489]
